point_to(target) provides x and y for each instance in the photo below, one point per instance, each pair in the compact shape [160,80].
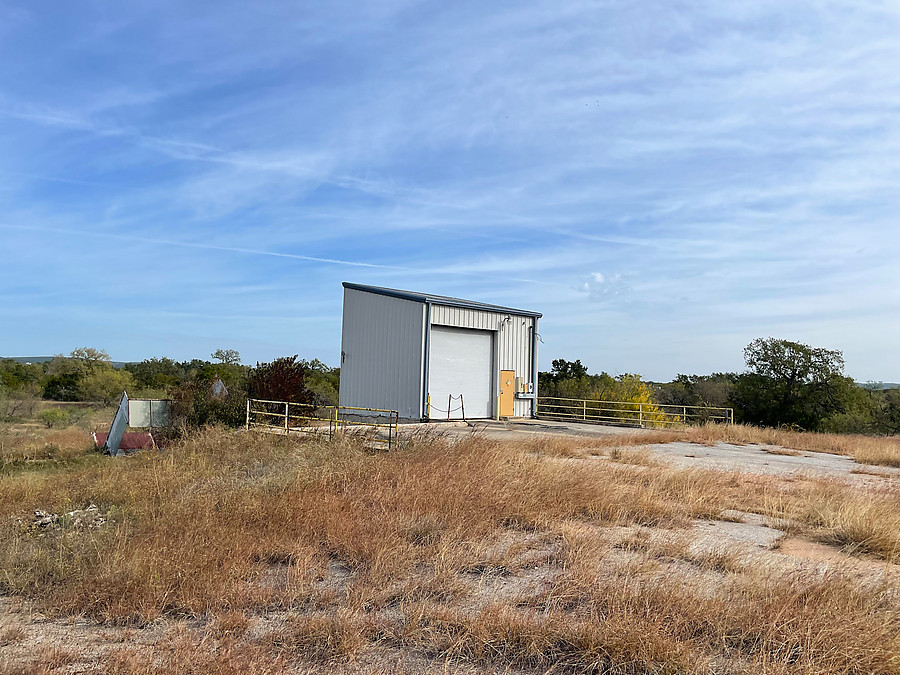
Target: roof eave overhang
[440,300]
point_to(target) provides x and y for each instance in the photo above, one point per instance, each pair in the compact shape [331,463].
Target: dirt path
[750,458]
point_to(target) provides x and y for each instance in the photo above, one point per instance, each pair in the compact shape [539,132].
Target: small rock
[79,519]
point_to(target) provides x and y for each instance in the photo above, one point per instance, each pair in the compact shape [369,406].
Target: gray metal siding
[513,343]
[382,349]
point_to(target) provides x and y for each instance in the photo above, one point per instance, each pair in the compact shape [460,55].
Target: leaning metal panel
[118,426]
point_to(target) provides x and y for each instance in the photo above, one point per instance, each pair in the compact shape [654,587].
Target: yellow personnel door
[507,393]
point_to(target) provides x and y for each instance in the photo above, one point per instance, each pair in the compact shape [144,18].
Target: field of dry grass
[31,444]
[878,450]
[243,552]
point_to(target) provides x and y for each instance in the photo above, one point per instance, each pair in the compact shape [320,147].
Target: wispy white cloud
[658,168]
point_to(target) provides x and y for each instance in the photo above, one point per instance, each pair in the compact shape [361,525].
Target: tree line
[204,391]
[785,384]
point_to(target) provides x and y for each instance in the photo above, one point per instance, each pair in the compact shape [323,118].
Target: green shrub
[54,416]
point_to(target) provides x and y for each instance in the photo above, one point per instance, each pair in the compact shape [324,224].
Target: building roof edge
[439,300]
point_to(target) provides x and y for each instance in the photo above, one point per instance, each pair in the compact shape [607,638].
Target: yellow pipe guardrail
[313,419]
[628,412]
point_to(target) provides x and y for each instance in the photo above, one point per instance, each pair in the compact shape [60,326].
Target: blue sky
[665,181]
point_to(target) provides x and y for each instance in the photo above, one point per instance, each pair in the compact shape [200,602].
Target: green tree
[697,390]
[62,387]
[567,370]
[323,381]
[566,379]
[90,359]
[66,373]
[230,357]
[157,373]
[885,410]
[17,376]
[105,385]
[790,383]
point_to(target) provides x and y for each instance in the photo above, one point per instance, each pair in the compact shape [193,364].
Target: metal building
[423,355]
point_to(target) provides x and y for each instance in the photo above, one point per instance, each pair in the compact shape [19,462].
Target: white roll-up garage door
[461,363]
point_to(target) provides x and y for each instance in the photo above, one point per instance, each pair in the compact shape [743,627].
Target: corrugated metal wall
[382,347]
[513,344]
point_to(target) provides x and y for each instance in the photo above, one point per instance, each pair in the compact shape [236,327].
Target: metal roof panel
[439,300]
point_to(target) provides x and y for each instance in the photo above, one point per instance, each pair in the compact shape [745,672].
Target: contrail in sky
[211,247]
[252,251]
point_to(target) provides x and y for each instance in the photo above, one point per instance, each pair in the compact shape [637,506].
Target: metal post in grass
[247,425]
[286,411]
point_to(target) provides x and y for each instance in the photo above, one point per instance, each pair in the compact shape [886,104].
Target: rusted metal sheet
[131,440]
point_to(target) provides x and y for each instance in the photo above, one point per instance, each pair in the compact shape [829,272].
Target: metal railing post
[312,419]
[620,412]
[330,425]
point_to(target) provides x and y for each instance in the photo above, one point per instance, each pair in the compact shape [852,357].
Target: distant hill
[878,386]
[44,359]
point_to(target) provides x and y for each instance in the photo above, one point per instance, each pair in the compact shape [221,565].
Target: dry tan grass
[572,446]
[878,450]
[829,512]
[49,659]
[11,634]
[24,445]
[179,653]
[640,456]
[482,551]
